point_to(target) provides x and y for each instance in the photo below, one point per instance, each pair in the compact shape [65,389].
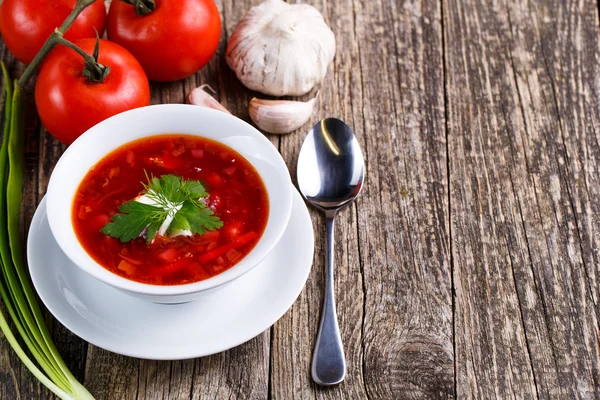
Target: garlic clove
[281,49]
[280,116]
[199,97]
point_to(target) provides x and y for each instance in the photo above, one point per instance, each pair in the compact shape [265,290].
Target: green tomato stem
[142,7]
[93,70]
[52,41]
[86,57]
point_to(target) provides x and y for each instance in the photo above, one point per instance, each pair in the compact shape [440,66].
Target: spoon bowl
[330,165]
[331,172]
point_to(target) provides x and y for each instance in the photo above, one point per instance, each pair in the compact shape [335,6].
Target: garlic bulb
[281,49]
[199,97]
[280,116]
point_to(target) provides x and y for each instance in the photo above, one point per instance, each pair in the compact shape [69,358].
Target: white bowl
[123,128]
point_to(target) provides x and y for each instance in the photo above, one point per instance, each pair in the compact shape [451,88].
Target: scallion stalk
[16,290]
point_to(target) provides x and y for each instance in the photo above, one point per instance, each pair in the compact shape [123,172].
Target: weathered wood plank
[489,244]
[165,379]
[111,376]
[239,373]
[403,216]
[525,321]
[294,335]
[565,83]
[406,339]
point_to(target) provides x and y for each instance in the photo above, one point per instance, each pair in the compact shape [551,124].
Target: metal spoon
[330,176]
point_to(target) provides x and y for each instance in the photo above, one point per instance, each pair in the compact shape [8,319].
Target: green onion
[16,289]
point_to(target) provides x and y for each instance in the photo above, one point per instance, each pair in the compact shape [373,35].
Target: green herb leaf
[195,189]
[151,231]
[197,220]
[134,219]
[171,197]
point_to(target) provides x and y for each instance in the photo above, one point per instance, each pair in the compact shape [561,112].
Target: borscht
[170,209]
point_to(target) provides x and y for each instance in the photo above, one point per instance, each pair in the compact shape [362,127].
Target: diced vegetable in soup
[170,209]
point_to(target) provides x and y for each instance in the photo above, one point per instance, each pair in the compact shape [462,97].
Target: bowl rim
[96,270]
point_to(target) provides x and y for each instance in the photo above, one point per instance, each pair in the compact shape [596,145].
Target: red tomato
[69,105]
[214,180]
[172,42]
[233,229]
[26,24]
[98,222]
[169,255]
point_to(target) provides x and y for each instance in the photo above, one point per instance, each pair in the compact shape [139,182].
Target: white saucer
[221,319]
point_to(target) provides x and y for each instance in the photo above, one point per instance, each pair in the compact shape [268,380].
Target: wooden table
[470,265]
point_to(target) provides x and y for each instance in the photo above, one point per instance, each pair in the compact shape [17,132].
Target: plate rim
[41,214]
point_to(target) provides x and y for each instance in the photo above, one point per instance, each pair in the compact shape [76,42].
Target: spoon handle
[328,363]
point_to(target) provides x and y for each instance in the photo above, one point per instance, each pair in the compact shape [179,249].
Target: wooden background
[470,265]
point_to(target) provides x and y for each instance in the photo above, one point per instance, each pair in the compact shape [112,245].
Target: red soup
[112,193]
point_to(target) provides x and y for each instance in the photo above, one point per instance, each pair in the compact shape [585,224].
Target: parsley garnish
[171,197]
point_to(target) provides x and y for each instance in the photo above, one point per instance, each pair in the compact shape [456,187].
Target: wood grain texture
[408,350]
[469,267]
[393,279]
[571,111]
[526,321]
